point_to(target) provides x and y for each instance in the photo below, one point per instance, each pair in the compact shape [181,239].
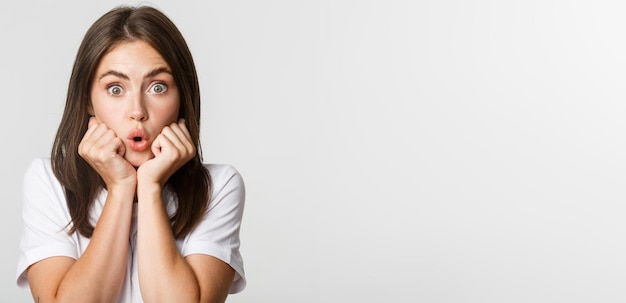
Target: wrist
[122,192]
[122,185]
[148,189]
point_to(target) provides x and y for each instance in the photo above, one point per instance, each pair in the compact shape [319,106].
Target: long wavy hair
[81,183]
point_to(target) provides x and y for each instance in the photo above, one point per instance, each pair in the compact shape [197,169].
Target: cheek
[98,106]
[163,114]
[100,111]
[175,112]
[172,110]
[106,112]
[96,100]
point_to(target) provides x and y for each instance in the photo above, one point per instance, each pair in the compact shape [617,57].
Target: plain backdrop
[393,151]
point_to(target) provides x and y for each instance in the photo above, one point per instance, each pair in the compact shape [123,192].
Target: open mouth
[138,140]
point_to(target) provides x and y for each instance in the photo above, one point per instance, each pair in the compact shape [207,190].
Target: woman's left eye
[158,88]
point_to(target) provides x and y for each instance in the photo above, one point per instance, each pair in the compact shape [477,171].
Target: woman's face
[134,94]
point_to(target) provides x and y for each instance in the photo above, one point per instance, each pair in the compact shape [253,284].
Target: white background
[393,151]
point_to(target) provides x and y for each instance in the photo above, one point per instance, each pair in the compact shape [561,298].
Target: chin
[137,159]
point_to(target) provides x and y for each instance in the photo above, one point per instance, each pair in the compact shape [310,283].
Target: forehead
[131,56]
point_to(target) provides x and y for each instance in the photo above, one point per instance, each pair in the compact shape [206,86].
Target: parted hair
[81,183]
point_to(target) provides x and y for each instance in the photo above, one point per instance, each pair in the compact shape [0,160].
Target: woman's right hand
[104,151]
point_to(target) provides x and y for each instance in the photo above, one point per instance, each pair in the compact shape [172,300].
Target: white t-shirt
[46,219]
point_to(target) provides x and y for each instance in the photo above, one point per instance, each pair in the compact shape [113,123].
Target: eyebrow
[150,74]
[157,71]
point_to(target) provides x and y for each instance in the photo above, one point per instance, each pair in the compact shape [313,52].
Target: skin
[133,93]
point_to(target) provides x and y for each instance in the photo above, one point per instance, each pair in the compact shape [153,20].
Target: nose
[138,110]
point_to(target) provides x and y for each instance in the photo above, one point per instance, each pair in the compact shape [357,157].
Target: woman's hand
[172,148]
[104,151]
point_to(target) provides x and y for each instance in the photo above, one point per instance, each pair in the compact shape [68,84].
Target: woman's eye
[115,90]
[158,88]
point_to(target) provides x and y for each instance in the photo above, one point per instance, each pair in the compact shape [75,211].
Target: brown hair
[81,183]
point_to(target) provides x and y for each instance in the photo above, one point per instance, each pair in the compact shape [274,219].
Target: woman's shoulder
[39,175]
[42,194]
[225,179]
[221,173]
[41,162]
[39,167]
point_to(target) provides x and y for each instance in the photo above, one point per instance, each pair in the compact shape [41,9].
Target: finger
[121,148]
[174,133]
[183,136]
[92,121]
[95,130]
[179,140]
[156,145]
[183,126]
[102,144]
[88,140]
[91,126]
[163,145]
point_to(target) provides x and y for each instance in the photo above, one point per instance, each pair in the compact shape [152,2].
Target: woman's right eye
[115,90]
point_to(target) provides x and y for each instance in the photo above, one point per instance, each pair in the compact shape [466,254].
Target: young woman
[124,210]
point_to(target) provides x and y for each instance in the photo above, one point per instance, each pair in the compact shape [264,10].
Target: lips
[137,140]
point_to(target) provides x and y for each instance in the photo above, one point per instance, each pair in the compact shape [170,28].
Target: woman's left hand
[172,148]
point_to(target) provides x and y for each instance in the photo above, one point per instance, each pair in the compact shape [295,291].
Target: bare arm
[97,275]
[164,275]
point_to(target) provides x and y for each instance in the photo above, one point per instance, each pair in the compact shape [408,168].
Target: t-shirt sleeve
[45,219]
[217,234]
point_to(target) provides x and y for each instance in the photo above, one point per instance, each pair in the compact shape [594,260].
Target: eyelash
[114,85]
[151,89]
[160,84]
